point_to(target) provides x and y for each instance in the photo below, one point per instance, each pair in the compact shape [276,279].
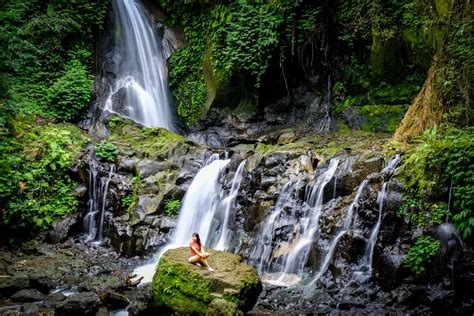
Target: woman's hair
[198,240]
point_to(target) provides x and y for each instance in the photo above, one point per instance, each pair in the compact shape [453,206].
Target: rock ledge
[185,288]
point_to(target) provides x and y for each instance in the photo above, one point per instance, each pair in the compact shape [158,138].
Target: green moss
[185,288]
[132,139]
[382,118]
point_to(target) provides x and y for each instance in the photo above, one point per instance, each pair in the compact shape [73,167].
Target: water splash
[142,77]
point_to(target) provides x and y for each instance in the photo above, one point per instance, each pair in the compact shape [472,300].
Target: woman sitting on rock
[198,255]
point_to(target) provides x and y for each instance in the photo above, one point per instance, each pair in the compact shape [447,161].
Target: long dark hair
[198,240]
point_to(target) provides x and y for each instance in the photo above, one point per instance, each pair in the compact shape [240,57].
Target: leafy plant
[172,207]
[35,187]
[442,159]
[127,201]
[106,151]
[69,95]
[420,253]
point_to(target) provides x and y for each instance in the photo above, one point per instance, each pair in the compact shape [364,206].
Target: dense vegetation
[45,76]
[375,52]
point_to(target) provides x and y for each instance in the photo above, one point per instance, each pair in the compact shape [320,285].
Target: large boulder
[185,288]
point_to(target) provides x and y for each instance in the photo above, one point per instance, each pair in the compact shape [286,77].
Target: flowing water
[229,202]
[260,255]
[98,189]
[305,231]
[142,77]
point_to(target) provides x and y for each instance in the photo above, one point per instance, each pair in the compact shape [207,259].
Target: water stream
[98,189]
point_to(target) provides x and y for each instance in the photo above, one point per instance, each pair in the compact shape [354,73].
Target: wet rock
[101,283]
[61,229]
[12,284]
[28,295]
[116,300]
[53,299]
[84,303]
[176,280]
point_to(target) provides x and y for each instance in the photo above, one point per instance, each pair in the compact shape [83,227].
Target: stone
[83,303]
[11,284]
[27,295]
[116,300]
[147,167]
[148,204]
[220,306]
[64,228]
[186,288]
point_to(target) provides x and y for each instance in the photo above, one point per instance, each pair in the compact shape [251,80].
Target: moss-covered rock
[232,288]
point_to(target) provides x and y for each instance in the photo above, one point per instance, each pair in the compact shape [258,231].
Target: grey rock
[27,295]
[83,303]
[64,228]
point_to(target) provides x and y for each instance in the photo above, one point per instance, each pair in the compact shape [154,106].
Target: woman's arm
[195,250]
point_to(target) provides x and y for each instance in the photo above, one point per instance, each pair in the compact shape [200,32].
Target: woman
[198,255]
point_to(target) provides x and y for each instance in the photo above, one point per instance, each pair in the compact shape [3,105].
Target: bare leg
[204,261]
[194,259]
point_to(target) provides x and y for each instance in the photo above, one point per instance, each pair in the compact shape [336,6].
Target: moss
[220,306]
[382,118]
[185,288]
[143,142]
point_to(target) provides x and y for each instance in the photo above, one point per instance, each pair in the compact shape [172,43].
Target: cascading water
[199,210]
[346,226]
[98,189]
[142,76]
[263,245]
[225,233]
[365,269]
[307,228]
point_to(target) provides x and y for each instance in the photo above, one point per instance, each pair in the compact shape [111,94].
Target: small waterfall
[263,245]
[225,234]
[199,210]
[142,77]
[98,189]
[307,227]
[346,226]
[369,248]
[199,204]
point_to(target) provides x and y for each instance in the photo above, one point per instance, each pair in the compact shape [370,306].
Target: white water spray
[142,74]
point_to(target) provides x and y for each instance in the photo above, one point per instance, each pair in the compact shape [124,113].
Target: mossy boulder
[233,287]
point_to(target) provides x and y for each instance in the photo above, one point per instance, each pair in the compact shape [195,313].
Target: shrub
[106,151]
[71,93]
[420,253]
[35,187]
[441,161]
[172,207]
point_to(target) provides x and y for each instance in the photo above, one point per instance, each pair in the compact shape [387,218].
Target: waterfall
[263,246]
[98,189]
[200,209]
[142,77]
[307,228]
[369,248]
[225,234]
[346,226]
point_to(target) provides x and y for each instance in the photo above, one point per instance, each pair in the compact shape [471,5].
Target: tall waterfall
[141,81]
[201,206]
